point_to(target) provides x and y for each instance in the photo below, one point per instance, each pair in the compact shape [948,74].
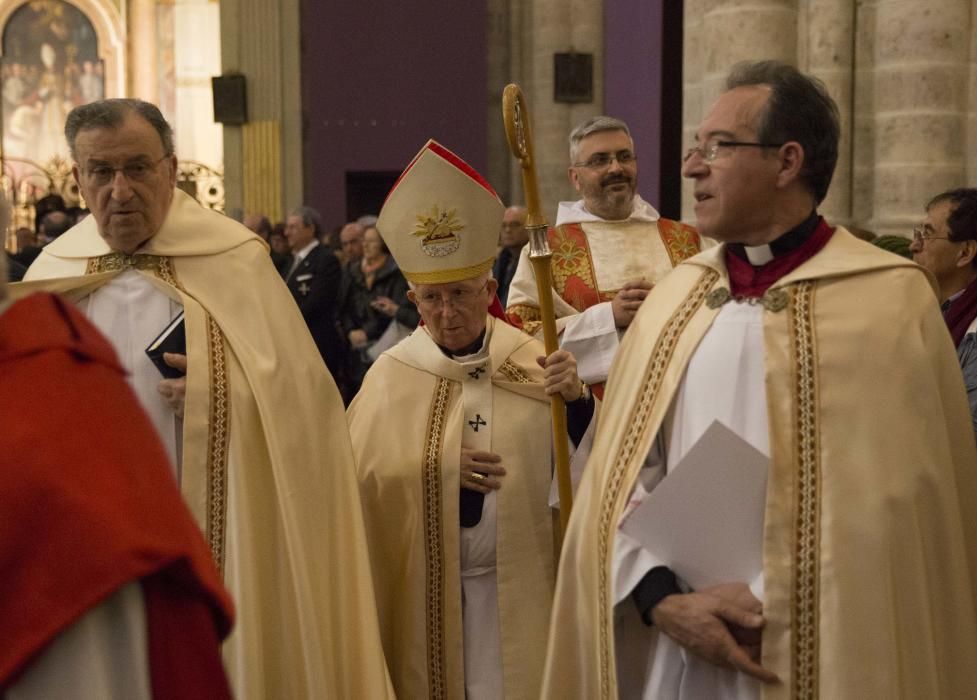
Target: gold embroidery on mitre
[661,357]
[438,231]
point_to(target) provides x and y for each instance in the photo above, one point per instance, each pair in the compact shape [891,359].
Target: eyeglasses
[599,161]
[136,171]
[458,297]
[921,233]
[710,151]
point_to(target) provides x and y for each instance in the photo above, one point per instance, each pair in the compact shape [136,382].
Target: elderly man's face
[454,313]
[607,188]
[732,194]
[298,233]
[126,180]
[351,240]
[514,234]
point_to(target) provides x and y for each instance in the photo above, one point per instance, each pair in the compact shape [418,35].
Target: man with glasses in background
[946,245]
[812,371]
[610,247]
[273,490]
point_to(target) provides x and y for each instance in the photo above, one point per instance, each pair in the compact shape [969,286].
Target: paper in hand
[705,518]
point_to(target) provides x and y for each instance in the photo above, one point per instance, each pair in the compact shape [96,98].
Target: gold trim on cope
[434,541]
[661,356]
[806,590]
[514,373]
[113,262]
[218,439]
[218,429]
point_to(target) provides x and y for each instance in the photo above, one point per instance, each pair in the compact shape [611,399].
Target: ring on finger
[477,477]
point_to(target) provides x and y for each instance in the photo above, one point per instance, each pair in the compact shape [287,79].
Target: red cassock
[88,503]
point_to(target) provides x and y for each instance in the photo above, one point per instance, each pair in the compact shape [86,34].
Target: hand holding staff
[519,135]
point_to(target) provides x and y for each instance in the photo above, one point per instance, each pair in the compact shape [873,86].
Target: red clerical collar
[746,280]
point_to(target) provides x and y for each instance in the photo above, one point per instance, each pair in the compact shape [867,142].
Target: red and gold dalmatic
[593,259]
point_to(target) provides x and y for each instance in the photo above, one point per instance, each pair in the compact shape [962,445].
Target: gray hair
[109,114]
[593,126]
[310,217]
[799,109]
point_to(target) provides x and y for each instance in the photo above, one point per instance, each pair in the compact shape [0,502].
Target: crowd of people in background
[350,291]
[405,546]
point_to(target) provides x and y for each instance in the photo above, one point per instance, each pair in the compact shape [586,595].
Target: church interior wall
[379,79]
[337,88]
[633,64]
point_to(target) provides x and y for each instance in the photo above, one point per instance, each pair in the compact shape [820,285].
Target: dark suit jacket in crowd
[27,255]
[15,271]
[315,287]
[503,270]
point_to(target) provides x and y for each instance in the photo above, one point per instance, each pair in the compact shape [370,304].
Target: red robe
[88,503]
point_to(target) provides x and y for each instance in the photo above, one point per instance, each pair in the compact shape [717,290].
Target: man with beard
[611,246]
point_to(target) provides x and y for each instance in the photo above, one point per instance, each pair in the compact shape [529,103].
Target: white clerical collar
[306,250]
[477,355]
[758,254]
[576,213]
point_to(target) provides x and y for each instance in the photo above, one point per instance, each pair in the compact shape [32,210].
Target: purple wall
[633,81]
[379,79]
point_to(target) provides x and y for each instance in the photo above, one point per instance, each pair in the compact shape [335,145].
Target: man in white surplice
[250,471]
[866,517]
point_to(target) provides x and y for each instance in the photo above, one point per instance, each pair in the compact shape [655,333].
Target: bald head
[351,240]
[514,235]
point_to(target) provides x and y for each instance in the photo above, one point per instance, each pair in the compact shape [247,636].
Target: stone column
[921,62]
[500,74]
[143,59]
[258,39]
[971,149]
[556,27]
[826,30]
[724,33]
[863,117]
